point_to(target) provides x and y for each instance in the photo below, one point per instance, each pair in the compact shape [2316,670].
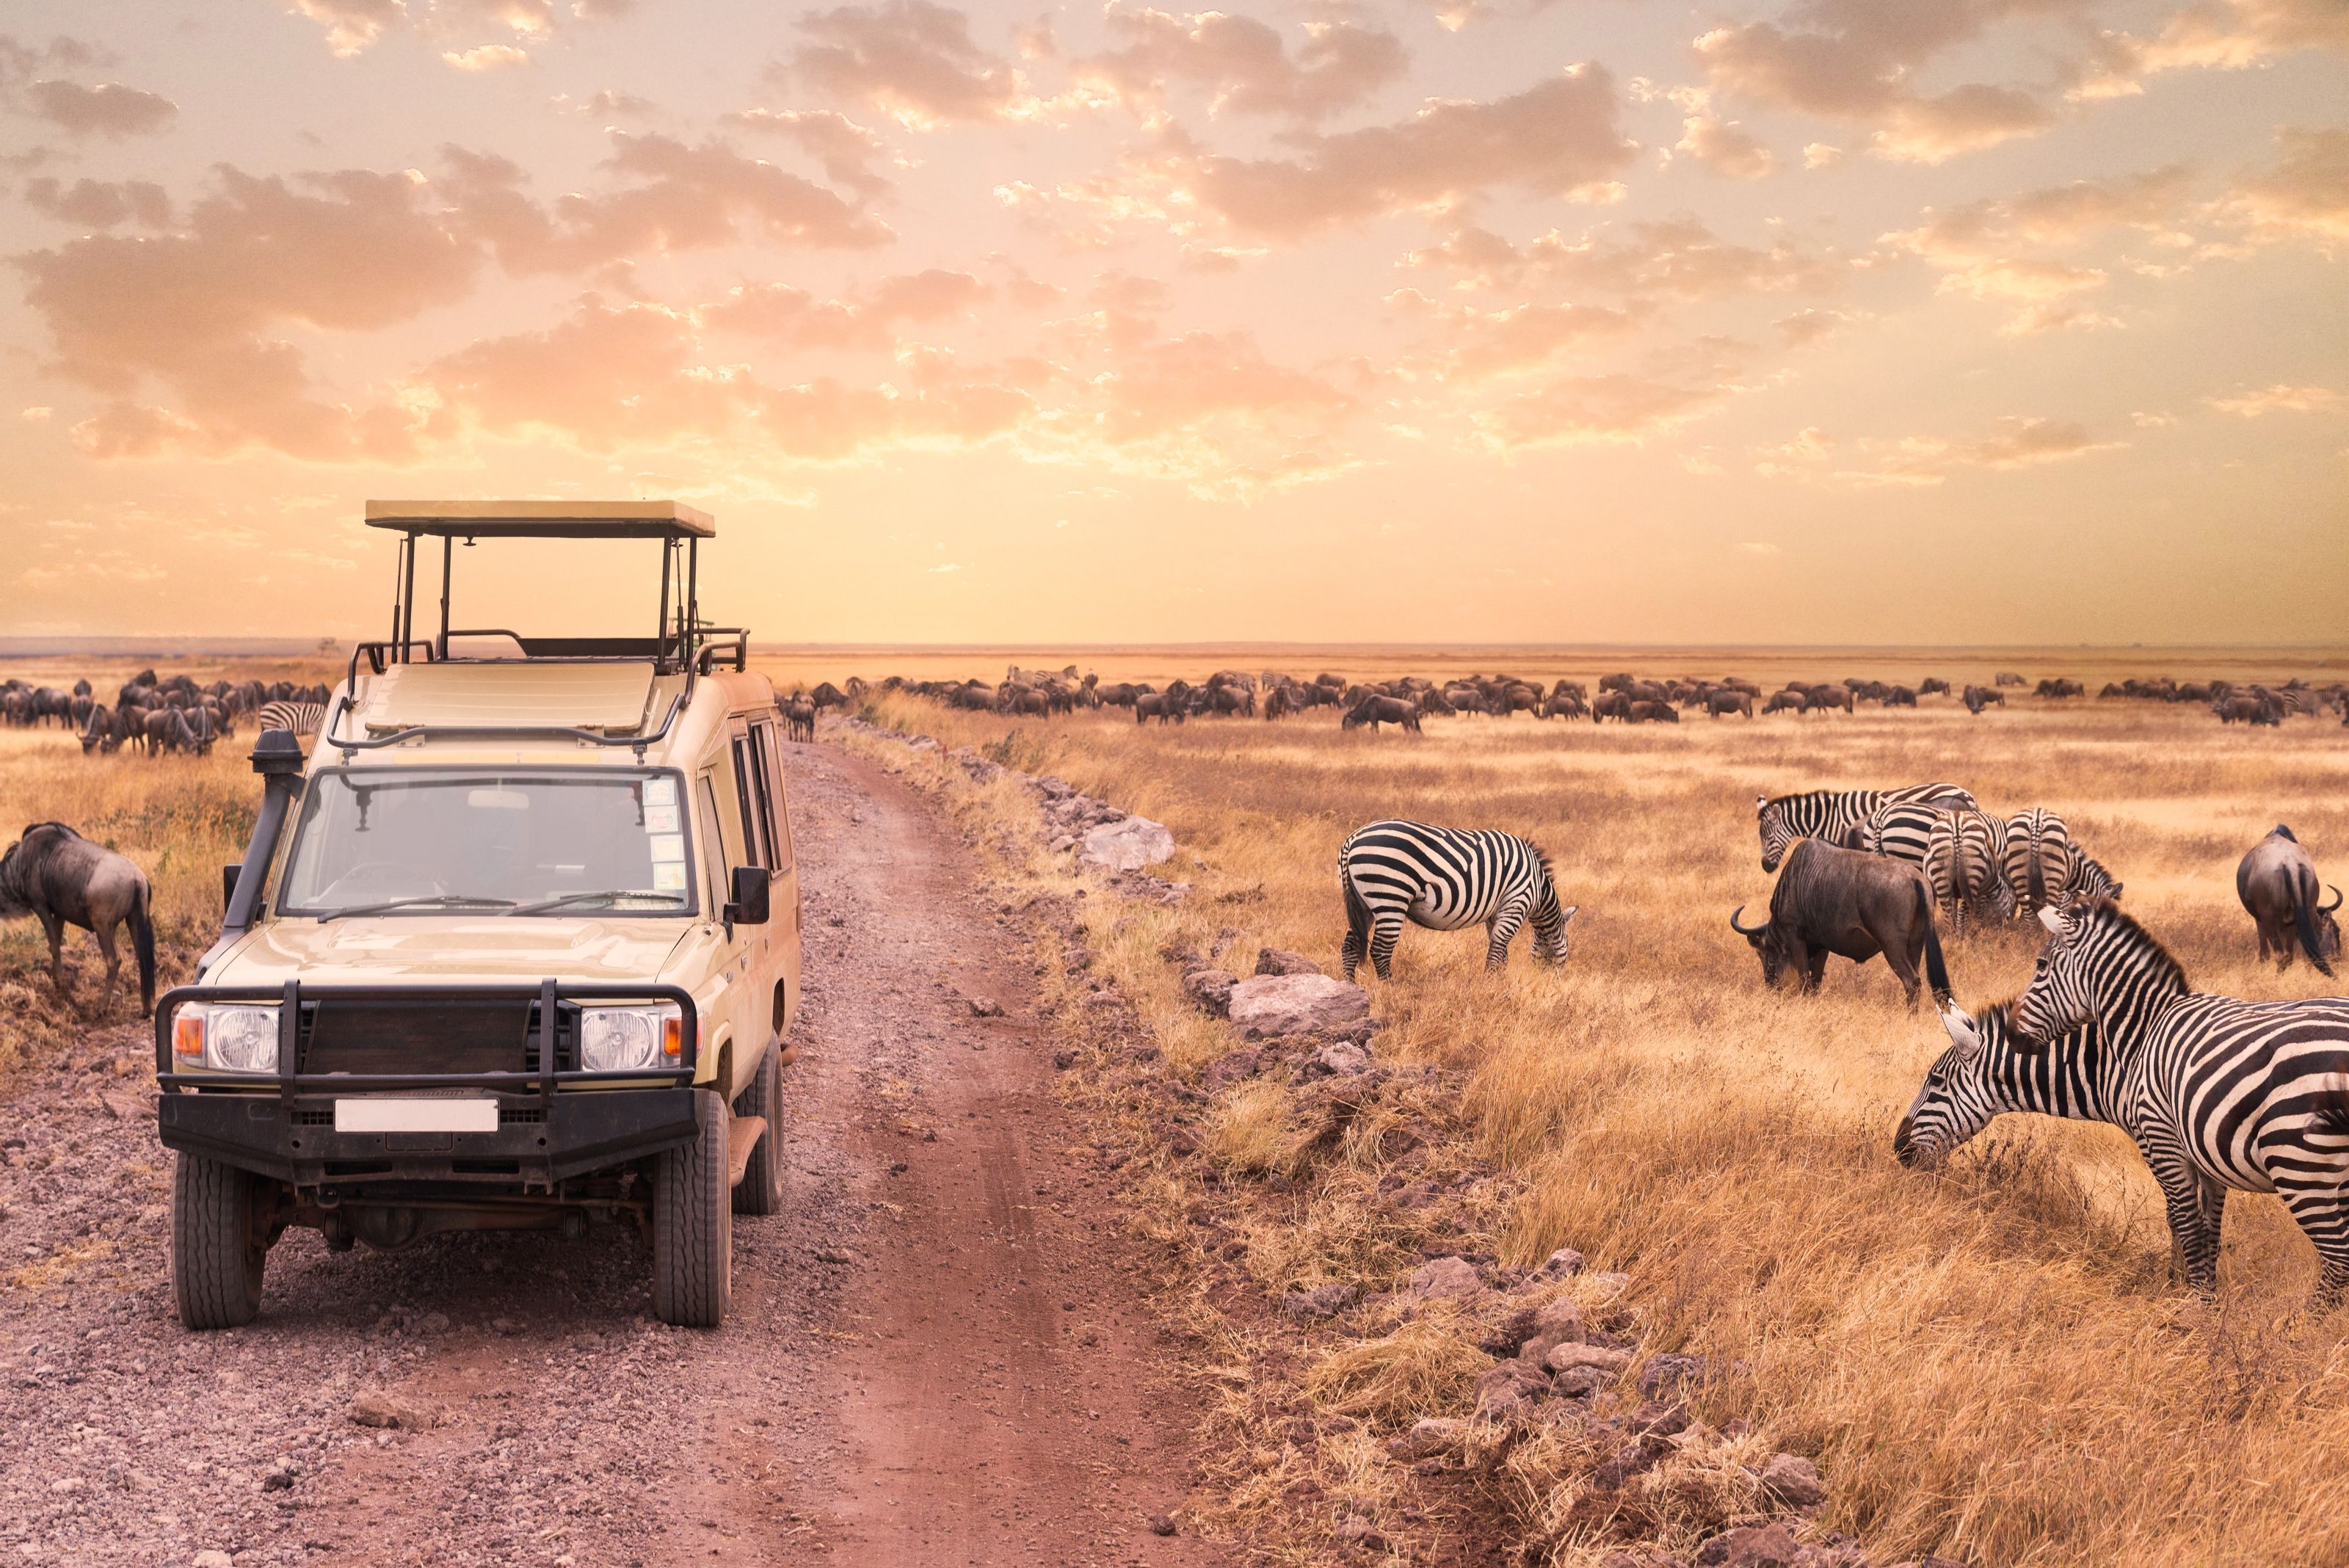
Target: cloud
[1808,326]
[845,150]
[354,26]
[1724,147]
[2212,35]
[2015,443]
[99,204]
[1244,64]
[679,196]
[1202,378]
[1678,258]
[793,317]
[109,109]
[2307,196]
[2279,399]
[1476,344]
[1619,408]
[914,61]
[485,58]
[1558,138]
[1856,61]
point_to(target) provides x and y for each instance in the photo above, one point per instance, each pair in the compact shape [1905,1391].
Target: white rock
[1445,1277]
[215,1560]
[1127,846]
[1568,1356]
[1268,1004]
[1344,1058]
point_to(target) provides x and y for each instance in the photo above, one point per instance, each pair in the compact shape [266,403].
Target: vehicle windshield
[489,841]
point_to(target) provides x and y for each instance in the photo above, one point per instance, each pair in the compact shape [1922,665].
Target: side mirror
[748,906]
[228,882]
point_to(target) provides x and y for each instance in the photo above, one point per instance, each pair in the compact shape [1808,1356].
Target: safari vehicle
[516,948]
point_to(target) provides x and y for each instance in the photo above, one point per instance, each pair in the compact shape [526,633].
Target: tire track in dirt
[936,1354]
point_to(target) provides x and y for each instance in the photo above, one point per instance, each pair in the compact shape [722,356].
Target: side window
[763,788]
[778,807]
[749,797]
[715,852]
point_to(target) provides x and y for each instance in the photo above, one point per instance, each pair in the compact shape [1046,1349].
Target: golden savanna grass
[1990,1362]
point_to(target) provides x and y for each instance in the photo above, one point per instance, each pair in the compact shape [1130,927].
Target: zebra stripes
[1832,815]
[2217,1092]
[1961,865]
[1897,829]
[1445,880]
[1990,1070]
[2036,857]
[302,718]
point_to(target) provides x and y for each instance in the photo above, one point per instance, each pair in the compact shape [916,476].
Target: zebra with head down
[1445,880]
[1833,816]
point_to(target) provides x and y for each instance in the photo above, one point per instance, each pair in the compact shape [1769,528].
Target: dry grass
[1990,1362]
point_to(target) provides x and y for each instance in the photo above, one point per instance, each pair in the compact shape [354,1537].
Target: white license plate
[396,1116]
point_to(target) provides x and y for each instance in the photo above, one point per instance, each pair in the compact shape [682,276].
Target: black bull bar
[282,1124]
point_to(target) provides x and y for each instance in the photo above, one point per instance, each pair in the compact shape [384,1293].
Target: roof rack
[682,642]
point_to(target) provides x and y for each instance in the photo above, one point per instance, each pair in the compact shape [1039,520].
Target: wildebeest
[1159,705]
[1852,904]
[2060,686]
[1610,705]
[1649,712]
[1375,710]
[1931,684]
[1726,701]
[1785,701]
[798,716]
[2277,883]
[61,879]
[1820,698]
[2008,678]
[1981,697]
[1899,697]
[2249,711]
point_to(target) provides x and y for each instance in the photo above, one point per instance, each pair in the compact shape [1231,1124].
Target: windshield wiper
[421,901]
[609,896]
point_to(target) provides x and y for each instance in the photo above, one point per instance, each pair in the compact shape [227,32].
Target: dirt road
[936,1354]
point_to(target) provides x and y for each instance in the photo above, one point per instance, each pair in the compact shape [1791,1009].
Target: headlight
[628,1039]
[226,1039]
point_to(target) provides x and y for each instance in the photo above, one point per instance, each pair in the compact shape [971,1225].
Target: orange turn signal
[188,1036]
[673,1036]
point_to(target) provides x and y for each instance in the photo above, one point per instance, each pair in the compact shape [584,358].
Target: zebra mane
[2114,914]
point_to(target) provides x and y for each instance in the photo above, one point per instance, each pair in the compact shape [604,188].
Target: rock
[125,1106]
[1127,846]
[1160,1524]
[277,1480]
[984,1006]
[1446,1279]
[1339,1059]
[433,1323]
[213,1560]
[1281,960]
[1270,1005]
[1753,1546]
[1559,1264]
[1429,1436]
[1210,991]
[1320,1302]
[1559,1322]
[1572,1356]
[1667,1374]
[1361,1533]
[376,1409]
[1656,1420]
[1509,1390]
[1791,1480]
[1233,1066]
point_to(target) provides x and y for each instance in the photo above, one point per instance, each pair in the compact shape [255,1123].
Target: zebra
[302,718]
[2036,857]
[1897,829]
[1961,865]
[1446,879]
[2088,880]
[1990,1068]
[1832,815]
[2216,1092]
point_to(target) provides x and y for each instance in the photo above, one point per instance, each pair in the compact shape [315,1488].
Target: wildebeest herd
[167,714]
[1405,700]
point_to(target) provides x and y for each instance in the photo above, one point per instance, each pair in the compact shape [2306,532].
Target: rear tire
[693,1224]
[215,1268]
[762,1188]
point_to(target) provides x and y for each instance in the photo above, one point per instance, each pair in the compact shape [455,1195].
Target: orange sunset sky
[1593,320]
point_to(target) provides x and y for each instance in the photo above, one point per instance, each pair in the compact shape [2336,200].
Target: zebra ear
[1567,913]
[1964,1032]
[2052,919]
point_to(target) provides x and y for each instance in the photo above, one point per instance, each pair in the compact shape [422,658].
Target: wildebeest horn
[1743,930]
[2328,908]
[1963,1032]
[2049,918]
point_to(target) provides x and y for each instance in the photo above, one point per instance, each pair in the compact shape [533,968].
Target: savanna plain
[1988,1362]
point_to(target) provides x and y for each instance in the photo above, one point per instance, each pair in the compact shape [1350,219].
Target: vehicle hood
[385,950]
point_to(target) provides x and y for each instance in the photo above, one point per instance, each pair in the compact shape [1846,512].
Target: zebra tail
[1937,973]
[1358,913]
[2038,875]
[2303,895]
[142,942]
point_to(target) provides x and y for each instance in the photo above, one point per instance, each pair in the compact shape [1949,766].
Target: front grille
[393,1037]
[314,1118]
[511,1115]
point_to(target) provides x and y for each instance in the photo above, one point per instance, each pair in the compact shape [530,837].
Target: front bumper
[537,1143]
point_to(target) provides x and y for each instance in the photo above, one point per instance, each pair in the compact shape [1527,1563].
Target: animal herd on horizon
[164,715]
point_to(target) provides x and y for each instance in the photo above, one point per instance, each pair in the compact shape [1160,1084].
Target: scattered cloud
[793,317]
[2279,399]
[354,26]
[913,60]
[2211,35]
[1678,258]
[845,150]
[100,204]
[2015,443]
[1619,408]
[2305,197]
[485,58]
[1244,64]
[108,110]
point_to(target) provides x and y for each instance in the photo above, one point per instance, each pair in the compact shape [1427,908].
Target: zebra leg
[1350,951]
[1386,929]
[2196,1206]
[1501,930]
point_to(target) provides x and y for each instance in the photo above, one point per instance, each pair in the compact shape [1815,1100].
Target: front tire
[761,1190]
[216,1268]
[693,1224]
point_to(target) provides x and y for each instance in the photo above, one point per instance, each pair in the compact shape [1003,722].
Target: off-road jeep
[516,948]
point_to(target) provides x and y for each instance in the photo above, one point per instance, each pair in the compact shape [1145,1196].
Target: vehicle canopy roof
[544,519]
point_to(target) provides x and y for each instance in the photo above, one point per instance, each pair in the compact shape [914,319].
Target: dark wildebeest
[1931,684]
[1647,712]
[1376,711]
[1899,697]
[798,716]
[1726,701]
[1981,697]
[2008,678]
[1852,905]
[1820,698]
[1785,702]
[2249,711]
[827,695]
[1611,705]
[1563,705]
[97,731]
[61,879]
[2277,883]
[1159,705]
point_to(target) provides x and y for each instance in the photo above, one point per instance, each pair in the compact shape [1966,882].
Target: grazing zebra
[2088,880]
[1961,865]
[1989,1069]
[1898,830]
[2036,857]
[1831,815]
[2217,1093]
[302,718]
[1446,879]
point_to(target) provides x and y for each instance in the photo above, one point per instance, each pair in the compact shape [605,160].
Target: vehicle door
[723,849]
[767,824]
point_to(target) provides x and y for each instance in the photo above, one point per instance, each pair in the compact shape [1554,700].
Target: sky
[1851,321]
